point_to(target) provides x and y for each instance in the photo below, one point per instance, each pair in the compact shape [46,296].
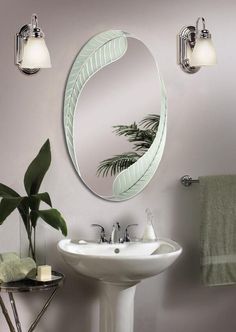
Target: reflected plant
[141,134]
[29,205]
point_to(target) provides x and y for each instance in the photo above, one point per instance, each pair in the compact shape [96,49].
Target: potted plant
[29,205]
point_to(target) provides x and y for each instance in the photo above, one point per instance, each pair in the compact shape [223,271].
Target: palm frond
[142,146]
[126,130]
[142,139]
[134,133]
[117,163]
[151,121]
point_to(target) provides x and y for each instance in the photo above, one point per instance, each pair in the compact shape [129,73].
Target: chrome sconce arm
[31,52]
[194,48]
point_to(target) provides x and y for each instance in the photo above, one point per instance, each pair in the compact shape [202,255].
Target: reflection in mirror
[115,115]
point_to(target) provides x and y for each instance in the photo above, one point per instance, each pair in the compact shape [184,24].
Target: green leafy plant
[142,135]
[29,205]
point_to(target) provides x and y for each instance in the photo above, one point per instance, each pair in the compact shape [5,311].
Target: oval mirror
[115,115]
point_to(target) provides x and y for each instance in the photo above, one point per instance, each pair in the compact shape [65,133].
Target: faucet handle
[103,234]
[126,234]
[100,226]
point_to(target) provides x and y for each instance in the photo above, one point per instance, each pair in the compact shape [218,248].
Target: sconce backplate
[21,38]
[186,39]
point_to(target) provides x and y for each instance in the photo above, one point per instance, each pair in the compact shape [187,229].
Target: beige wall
[201,140]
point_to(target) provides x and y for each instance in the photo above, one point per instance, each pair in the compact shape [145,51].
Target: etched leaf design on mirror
[100,51]
[132,180]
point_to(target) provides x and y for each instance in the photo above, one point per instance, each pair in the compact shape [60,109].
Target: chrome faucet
[115,234]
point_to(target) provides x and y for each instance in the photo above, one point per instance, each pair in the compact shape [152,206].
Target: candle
[44,273]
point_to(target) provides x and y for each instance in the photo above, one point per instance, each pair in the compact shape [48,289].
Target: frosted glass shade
[36,54]
[203,53]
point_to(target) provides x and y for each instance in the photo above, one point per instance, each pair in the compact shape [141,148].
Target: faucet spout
[115,234]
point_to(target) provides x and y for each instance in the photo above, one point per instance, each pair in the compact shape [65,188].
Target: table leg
[35,323]
[6,315]
[13,305]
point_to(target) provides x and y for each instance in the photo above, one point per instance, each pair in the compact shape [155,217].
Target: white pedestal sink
[119,267]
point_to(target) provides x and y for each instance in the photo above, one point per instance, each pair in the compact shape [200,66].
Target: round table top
[33,285]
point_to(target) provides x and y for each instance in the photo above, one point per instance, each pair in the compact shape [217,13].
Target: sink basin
[119,267]
[121,262]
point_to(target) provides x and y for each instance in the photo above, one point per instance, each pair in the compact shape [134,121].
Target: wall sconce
[31,52]
[195,48]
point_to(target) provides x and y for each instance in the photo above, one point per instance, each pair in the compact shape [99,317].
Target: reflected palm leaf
[143,139]
[135,134]
[117,163]
[151,121]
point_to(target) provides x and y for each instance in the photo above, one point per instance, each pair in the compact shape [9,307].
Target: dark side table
[25,286]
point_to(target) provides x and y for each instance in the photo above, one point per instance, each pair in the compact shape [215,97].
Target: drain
[116,251]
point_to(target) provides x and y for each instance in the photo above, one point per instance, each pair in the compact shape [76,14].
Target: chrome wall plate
[20,40]
[185,42]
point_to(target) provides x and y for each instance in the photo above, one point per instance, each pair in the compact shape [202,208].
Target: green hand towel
[28,267]
[17,269]
[218,229]
[8,256]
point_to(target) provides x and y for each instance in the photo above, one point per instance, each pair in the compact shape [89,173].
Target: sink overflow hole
[116,251]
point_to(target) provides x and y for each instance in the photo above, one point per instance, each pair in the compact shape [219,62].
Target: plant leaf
[7,206]
[37,170]
[44,197]
[23,209]
[53,218]
[34,202]
[6,191]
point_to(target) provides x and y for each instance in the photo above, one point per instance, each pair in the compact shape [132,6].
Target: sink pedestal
[117,307]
